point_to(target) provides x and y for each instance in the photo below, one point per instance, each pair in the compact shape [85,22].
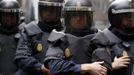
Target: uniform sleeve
[24,58]
[63,67]
[58,65]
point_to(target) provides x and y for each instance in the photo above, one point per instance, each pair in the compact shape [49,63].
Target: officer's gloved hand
[94,68]
[120,62]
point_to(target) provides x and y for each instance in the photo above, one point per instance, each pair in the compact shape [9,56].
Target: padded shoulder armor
[32,28]
[105,37]
[55,36]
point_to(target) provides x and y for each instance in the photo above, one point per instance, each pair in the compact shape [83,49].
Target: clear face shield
[50,11]
[79,20]
[9,19]
[126,20]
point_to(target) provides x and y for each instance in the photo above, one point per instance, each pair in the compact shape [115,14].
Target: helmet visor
[9,19]
[78,19]
[49,13]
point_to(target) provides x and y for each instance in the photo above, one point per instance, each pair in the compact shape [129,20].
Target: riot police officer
[70,52]
[9,22]
[33,43]
[119,37]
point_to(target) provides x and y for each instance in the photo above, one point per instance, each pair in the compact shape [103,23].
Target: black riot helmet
[78,17]
[50,15]
[9,13]
[52,7]
[118,10]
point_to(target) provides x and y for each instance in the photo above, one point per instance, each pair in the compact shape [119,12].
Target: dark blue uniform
[8,45]
[109,40]
[67,52]
[31,49]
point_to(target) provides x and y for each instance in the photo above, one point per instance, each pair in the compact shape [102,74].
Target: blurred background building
[100,16]
[30,9]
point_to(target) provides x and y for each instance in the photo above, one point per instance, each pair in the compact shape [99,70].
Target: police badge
[67,53]
[125,53]
[39,47]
